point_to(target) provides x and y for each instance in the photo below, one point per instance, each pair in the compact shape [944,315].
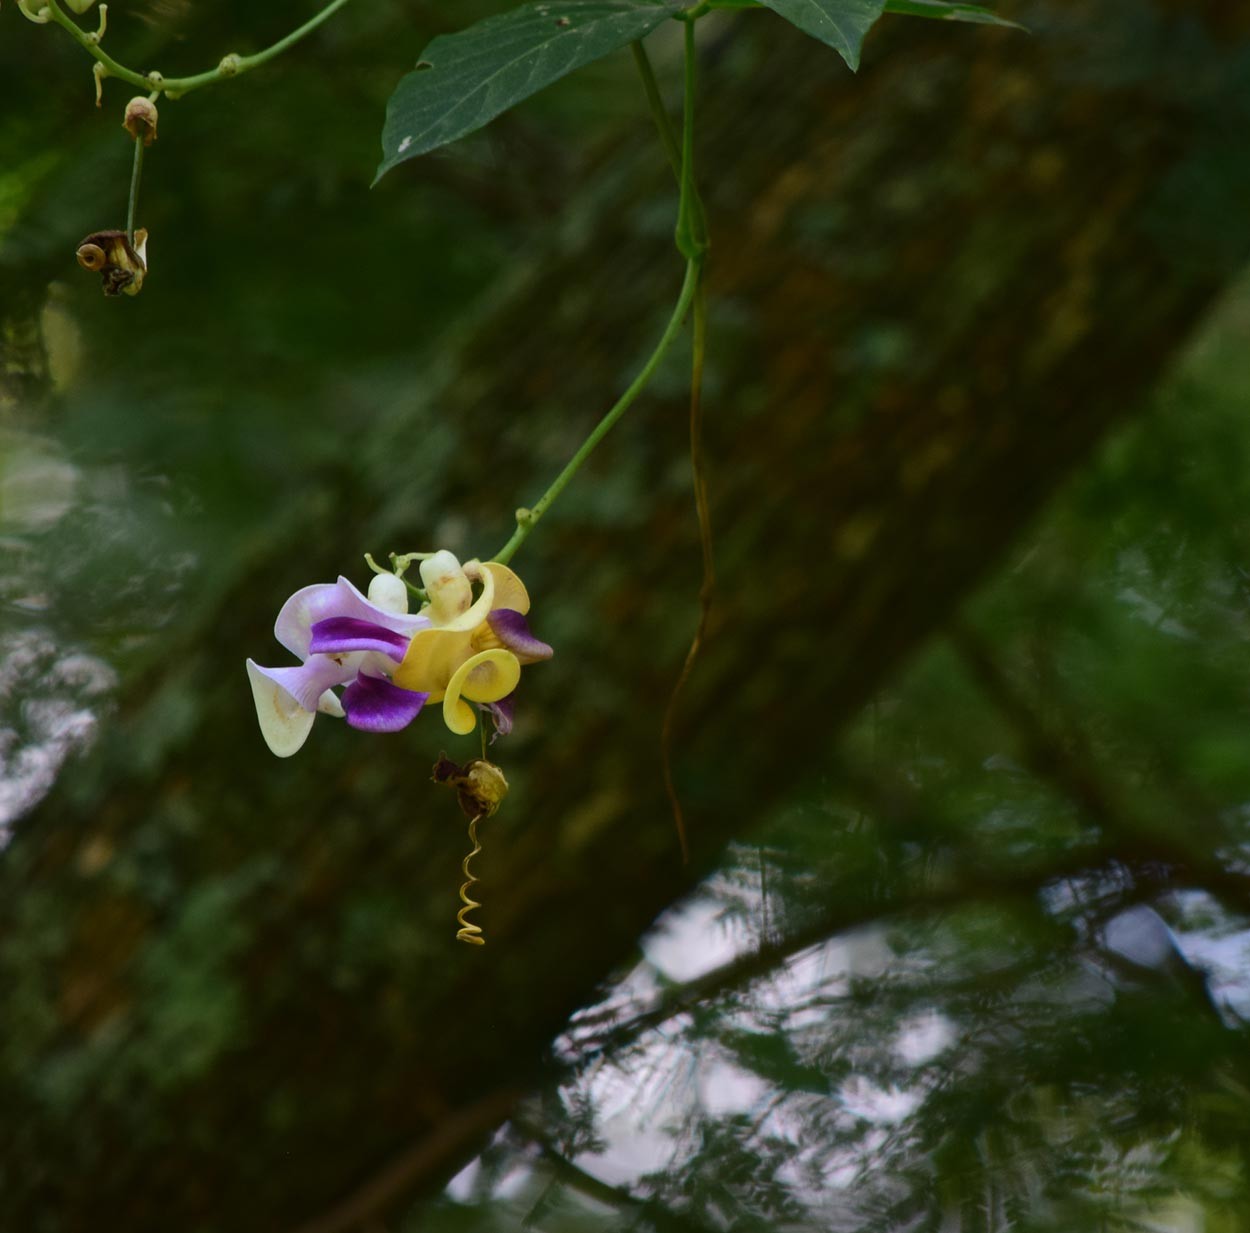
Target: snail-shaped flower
[474,649]
[455,650]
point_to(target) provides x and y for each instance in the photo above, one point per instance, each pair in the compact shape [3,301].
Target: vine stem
[230,66]
[668,138]
[527,519]
[132,206]
[691,240]
[707,587]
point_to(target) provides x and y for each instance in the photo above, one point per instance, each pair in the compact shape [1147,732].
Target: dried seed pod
[480,785]
[140,119]
[122,266]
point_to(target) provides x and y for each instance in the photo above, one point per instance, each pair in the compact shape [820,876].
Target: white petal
[284,724]
[329,704]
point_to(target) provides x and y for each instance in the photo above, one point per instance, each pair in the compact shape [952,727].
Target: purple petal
[338,635]
[323,600]
[513,632]
[374,704]
[501,714]
[309,681]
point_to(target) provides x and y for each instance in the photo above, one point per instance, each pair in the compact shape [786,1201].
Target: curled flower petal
[341,635]
[475,614]
[284,723]
[306,683]
[487,676]
[373,704]
[513,632]
[510,591]
[324,600]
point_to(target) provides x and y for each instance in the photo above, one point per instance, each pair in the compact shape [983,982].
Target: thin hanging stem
[668,137]
[527,519]
[132,207]
[708,586]
[691,240]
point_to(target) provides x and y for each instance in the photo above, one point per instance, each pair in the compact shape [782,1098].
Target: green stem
[528,519]
[668,138]
[230,66]
[649,84]
[689,242]
[133,205]
[692,241]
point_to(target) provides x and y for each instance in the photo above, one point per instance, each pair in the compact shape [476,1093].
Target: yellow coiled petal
[485,677]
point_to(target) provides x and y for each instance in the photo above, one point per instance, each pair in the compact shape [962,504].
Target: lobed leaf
[841,24]
[464,80]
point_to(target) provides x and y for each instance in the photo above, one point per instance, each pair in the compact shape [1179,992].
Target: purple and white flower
[341,638]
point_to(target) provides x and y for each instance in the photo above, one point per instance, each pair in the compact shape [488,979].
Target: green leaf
[840,23]
[462,81]
[945,11]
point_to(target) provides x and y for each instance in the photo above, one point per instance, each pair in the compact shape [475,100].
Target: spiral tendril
[469,932]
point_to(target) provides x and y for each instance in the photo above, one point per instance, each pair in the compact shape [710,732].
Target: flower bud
[449,589]
[140,121]
[122,266]
[388,593]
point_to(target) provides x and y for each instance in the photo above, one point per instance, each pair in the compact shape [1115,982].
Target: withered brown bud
[480,785]
[140,120]
[122,266]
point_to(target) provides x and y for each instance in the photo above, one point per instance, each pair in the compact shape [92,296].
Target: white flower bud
[388,593]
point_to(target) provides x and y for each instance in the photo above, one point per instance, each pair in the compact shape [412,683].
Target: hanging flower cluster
[388,662]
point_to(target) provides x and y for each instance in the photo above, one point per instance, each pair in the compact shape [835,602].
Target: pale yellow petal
[284,724]
[476,613]
[431,660]
[485,677]
[459,716]
[510,591]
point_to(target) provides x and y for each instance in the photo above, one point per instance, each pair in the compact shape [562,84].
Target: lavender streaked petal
[374,704]
[513,632]
[340,635]
[324,600]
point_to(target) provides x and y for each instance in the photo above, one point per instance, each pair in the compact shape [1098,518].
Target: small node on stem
[95,36]
[525,517]
[140,119]
[230,65]
[156,81]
